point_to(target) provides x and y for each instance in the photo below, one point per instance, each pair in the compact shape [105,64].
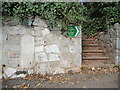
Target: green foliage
[95,16]
[100,16]
[116,66]
[57,14]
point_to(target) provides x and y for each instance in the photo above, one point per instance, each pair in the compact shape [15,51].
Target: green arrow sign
[72,31]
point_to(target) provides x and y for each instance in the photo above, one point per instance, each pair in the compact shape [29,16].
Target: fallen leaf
[38,84]
[21,86]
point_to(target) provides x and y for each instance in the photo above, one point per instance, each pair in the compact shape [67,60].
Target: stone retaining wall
[111,42]
[36,49]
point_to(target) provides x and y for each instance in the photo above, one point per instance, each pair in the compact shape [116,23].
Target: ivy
[57,14]
[95,16]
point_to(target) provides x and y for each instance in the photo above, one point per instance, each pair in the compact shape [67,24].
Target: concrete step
[92,51]
[95,58]
[90,45]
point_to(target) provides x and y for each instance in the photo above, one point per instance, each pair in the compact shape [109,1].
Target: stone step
[89,39]
[91,48]
[92,54]
[91,45]
[90,42]
[93,51]
[95,58]
[94,61]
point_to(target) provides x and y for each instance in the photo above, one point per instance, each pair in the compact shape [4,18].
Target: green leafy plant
[56,14]
[100,16]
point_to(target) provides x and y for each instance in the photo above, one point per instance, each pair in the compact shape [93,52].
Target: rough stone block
[59,70]
[10,71]
[54,57]
[54,64]
[13,54]
[17,30]
[45,32]
[76,41]
[49,70]
[38,39]
[31,71]
[13,40]
[39,43]
[27,50]
[64,49]
[117,26]
[74,49]
[67,56]
[19,76]
[119,60]
[42,68]
[73,69]
[78,60]
[64,64]
[11,47]
[0,76]
[118,52]
[118,33]
[64,40]
[107,37]
[14,63]
[38,31]
[39,22]
[52,48]
[41,57]
[51,39]
[118,43]
[4,37]
[39,48]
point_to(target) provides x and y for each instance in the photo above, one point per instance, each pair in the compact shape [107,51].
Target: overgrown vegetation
[57,14]
[95,16]
[100,16]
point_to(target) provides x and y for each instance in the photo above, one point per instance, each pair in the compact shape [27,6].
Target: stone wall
[36,49]
[111,42]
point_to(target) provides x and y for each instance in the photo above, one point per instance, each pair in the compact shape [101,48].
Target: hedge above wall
[57,14]
[100,16]
[96,16]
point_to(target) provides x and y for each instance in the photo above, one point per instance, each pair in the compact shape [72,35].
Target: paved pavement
[71,81]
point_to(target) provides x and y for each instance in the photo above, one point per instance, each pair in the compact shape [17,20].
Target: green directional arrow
[72,31]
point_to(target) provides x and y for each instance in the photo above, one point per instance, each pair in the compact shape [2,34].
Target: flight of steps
[91,51]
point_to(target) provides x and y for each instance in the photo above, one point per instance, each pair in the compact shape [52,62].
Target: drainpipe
[117,49]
